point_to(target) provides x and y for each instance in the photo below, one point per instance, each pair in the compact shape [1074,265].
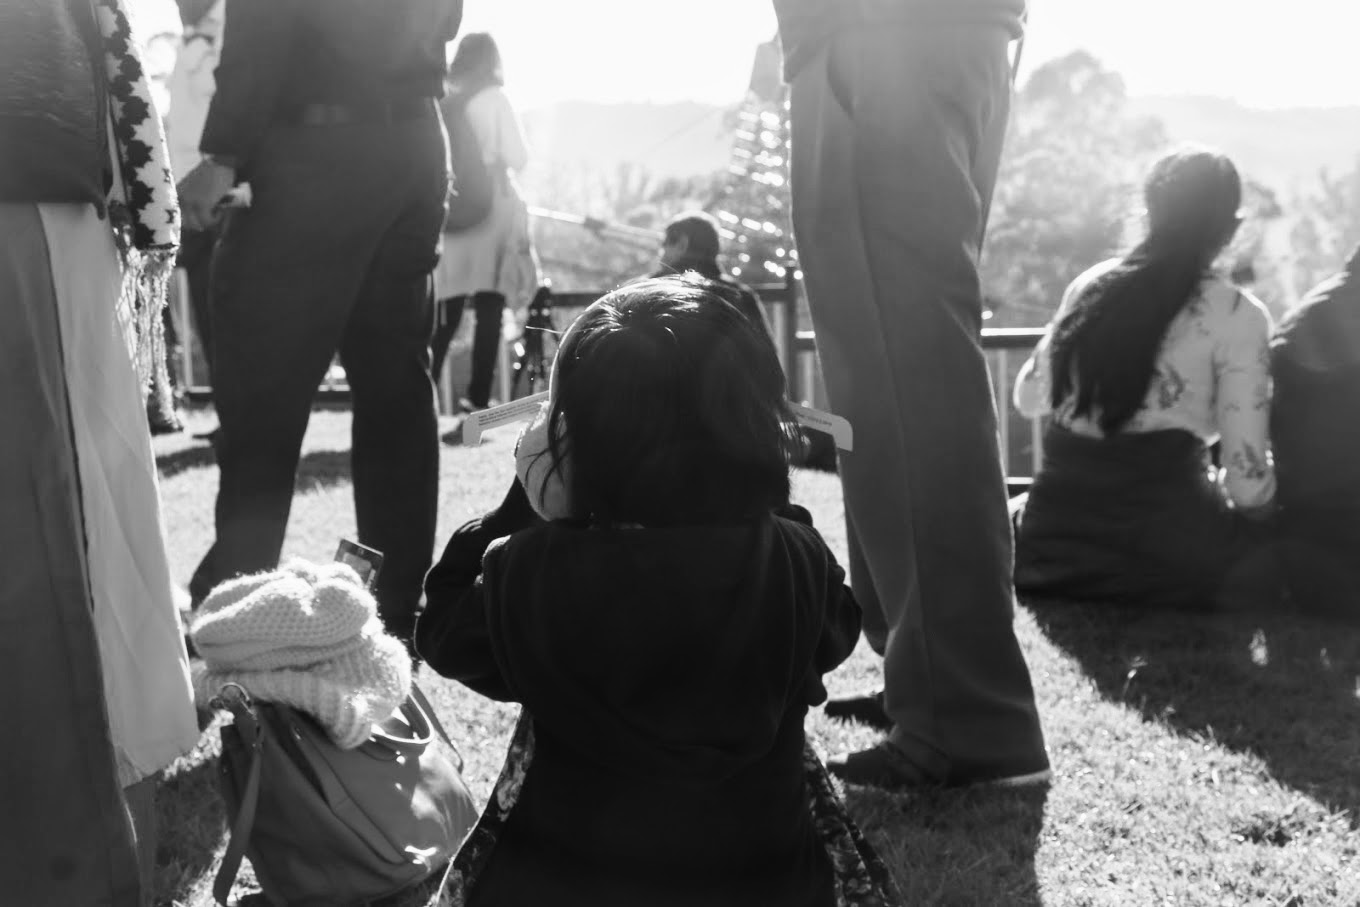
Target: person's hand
[201,191]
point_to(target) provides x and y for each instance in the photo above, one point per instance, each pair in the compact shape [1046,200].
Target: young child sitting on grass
[665,616]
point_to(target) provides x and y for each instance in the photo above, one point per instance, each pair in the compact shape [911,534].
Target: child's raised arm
[451,632]
[843,617]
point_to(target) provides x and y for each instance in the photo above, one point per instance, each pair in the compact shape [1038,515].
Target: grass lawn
[1199,761]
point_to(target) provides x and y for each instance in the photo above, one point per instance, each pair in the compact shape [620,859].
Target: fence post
[1003,420]
[186,329]
[792,358]
[504,363]
[1036,433]
[778,314]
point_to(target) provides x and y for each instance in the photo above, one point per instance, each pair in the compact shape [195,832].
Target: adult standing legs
[486,345]
[195,257]
[277,326]
[488,309]
[386,354]
[334,253]
[896,141]
[448,318]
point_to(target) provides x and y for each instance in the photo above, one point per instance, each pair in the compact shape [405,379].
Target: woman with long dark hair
[481,263]
[1150,359]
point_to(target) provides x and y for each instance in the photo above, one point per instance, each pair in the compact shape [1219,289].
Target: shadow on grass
[185,459]
[1284,688]
[974,847]
[454,436]
[322,469]
[317,469]
[192,823]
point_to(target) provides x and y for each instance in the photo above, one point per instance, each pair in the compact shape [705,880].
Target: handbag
[518,275]
[329,826]
[471,187]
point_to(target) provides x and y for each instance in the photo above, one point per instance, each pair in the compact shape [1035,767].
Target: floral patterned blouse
[1212,379]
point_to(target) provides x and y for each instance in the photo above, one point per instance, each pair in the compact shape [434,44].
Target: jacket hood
[670,654]
[1321,335]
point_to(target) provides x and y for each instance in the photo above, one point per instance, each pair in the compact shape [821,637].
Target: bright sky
[1263,54]
[1299,53]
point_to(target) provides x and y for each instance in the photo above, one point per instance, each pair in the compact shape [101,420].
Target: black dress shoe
[862,710]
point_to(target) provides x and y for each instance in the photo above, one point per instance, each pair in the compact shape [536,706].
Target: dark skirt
[857,875]
[1317,550]
[1133,519]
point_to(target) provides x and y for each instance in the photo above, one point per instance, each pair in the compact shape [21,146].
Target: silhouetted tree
[1068,182]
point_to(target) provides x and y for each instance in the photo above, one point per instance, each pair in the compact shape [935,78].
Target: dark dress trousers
[328,108]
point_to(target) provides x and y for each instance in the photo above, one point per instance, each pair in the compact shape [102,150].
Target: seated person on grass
[691,243]
[1315,358]
[1150,359]
[665,618]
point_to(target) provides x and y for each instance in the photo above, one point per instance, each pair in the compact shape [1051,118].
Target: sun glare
[1260,54]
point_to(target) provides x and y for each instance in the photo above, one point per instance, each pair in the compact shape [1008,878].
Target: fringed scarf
[146,219]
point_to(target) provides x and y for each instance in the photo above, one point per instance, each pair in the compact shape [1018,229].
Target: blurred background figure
[691,243]
[191,87]
[1315,363]
[490,263]
[92,652]
[1151,358]
[328,111]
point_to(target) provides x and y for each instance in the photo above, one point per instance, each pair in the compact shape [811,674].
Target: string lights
[753,209]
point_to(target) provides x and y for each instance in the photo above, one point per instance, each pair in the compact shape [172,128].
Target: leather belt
[368,113]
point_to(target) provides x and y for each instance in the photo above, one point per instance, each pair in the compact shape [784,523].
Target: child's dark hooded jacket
[667,672]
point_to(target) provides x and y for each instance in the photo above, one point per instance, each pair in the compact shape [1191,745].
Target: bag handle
[251,729]
[433,718]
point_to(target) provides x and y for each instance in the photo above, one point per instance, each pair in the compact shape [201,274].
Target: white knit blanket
[306,636]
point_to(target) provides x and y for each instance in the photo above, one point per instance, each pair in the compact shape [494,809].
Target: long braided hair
[1105,348]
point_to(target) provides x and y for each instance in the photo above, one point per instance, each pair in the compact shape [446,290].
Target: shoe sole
[1009,782]
[1032,779]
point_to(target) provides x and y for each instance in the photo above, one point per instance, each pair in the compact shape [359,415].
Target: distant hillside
[1282,148]
[684,139]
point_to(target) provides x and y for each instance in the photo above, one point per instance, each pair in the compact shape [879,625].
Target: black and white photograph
[732,453]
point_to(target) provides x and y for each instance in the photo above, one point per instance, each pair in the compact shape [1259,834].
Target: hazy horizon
[610,51]
[1135,97]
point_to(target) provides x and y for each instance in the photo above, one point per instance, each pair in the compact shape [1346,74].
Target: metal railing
[798,351]
[796,345]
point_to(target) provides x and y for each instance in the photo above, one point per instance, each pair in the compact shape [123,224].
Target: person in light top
[1151,358]
[1315,366]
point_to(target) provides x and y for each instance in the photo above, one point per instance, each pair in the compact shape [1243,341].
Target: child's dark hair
[670,405]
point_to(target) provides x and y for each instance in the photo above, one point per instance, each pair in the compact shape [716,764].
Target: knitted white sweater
[309,637]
